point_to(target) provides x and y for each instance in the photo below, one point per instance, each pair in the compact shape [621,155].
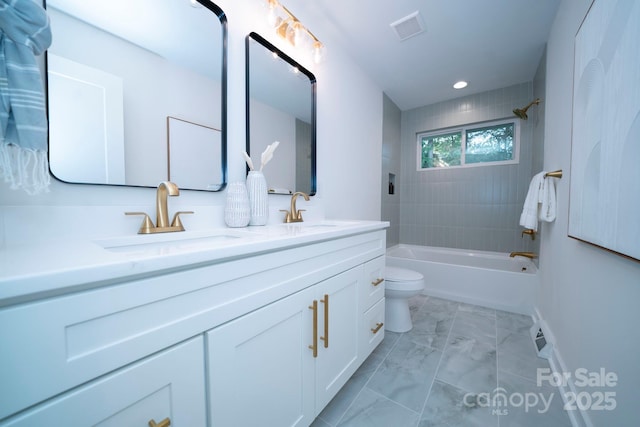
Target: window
[473,145]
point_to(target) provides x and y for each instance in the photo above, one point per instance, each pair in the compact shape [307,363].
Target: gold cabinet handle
[377,328]
[314,346]
[377,281]
[164,423]
[325,338]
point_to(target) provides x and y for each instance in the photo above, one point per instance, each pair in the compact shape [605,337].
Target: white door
[261,367]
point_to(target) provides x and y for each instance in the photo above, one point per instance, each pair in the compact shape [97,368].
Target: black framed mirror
[281,106]
[137,93]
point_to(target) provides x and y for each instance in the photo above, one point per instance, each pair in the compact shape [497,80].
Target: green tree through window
[495,142]
[442,150]
[490,144]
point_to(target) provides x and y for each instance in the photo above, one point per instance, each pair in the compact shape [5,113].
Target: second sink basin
[158,244]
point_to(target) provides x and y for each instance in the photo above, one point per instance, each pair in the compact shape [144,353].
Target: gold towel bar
[554,174]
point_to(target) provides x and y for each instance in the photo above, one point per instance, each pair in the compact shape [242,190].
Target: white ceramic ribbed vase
[237,211]
[258,198]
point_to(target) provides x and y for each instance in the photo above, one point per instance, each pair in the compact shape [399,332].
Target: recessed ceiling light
[460,85]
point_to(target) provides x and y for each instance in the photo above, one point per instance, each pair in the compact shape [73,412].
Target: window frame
[463,144]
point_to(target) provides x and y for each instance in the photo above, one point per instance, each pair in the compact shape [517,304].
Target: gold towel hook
[554,174]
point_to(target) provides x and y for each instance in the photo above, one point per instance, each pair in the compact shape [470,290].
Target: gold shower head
[522,112]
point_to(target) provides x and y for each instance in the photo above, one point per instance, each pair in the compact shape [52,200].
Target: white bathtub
[490,279]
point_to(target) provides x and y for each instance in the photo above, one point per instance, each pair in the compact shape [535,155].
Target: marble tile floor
[460,365]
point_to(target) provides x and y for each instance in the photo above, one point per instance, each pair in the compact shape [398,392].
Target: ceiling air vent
[408,26]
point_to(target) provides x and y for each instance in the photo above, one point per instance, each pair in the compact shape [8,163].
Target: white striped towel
[24,33]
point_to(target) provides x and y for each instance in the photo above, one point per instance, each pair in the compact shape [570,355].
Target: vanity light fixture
[460,85]
[290,28]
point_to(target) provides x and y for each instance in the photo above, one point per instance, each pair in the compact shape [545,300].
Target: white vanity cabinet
[287,360]
[223,341]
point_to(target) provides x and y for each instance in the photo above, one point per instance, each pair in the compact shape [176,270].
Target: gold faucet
[530,255]
[165,189]
[294,215]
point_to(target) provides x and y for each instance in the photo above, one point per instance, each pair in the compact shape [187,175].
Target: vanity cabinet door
[261,368]
[170,384]
[338,328]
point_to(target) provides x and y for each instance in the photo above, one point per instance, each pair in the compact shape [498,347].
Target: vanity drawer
[169,384]
[372,331]
[373,288]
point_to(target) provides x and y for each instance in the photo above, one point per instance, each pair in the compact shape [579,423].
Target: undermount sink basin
[311,225]
[168,243]
[301,227]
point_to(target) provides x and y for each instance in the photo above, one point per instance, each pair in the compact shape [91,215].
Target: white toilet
[400,285]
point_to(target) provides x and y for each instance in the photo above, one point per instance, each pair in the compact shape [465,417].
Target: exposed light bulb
[291,36]
[272,18]
[317,52]
[292,30]
[298,36]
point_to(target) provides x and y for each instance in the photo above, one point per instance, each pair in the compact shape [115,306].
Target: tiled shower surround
[474,207]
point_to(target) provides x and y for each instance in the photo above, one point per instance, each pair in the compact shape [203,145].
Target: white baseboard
[578,417]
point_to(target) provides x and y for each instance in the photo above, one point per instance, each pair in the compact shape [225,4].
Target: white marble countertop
[29,271]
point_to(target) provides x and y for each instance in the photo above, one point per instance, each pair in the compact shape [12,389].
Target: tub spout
[530,255]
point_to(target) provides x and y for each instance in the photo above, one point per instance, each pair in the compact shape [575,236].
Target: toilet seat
[403,279]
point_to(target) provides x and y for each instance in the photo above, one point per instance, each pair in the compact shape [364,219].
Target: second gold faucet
[295,215]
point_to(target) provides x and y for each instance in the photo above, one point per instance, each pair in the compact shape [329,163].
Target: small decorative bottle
[237,211]
[258,198]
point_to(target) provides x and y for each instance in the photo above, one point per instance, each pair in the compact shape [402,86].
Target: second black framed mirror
[281,106]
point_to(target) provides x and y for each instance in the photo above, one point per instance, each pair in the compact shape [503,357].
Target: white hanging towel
[540,203]
[547,207]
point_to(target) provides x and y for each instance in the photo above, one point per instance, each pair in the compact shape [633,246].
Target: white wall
[349,153]
[589,297]
[349,140]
